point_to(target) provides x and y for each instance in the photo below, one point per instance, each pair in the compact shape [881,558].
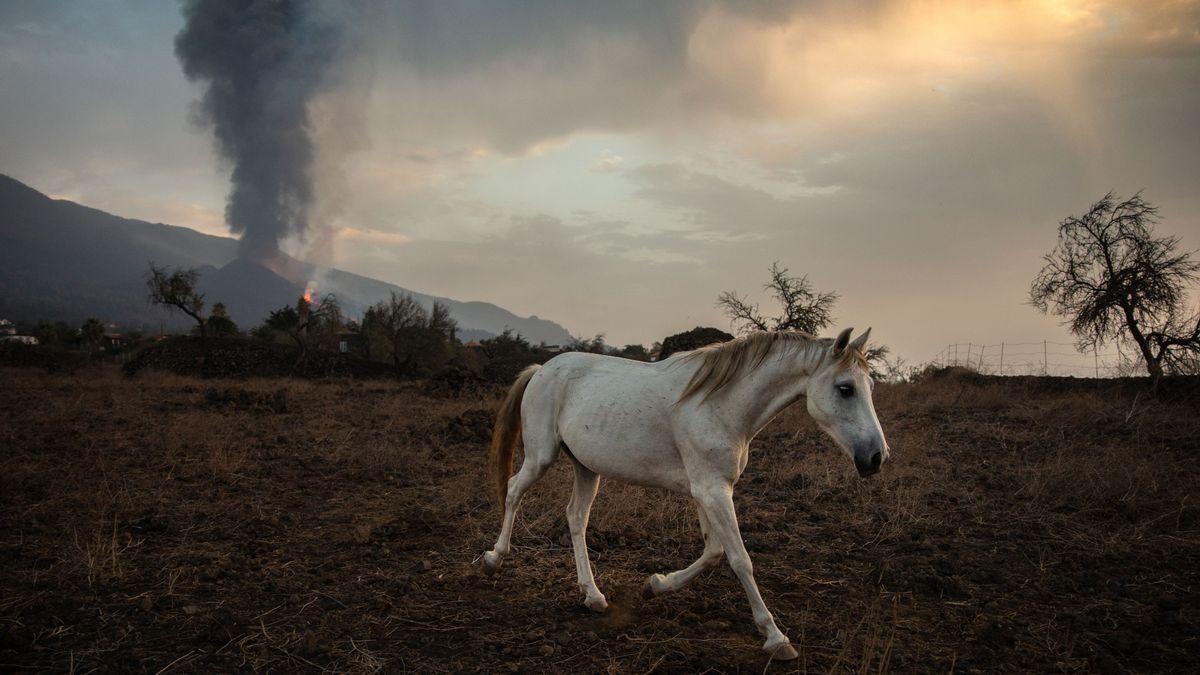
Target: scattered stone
[312,645]
[362,533]
[246,399]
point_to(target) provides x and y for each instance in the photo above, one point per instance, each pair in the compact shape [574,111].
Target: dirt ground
[162,523]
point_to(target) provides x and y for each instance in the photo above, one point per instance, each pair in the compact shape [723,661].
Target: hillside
[63,261]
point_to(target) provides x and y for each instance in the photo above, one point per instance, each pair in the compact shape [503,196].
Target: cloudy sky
[614,166]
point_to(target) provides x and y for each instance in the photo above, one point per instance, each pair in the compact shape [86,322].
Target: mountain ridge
[60,260]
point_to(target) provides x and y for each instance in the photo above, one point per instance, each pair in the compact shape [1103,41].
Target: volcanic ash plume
[263,62]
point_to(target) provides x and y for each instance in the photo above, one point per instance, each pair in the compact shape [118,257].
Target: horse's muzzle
[868,465]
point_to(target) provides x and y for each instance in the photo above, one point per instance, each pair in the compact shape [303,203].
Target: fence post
[1045,360]
[981,348]
[956,353]
[1096,356]
[1001,358]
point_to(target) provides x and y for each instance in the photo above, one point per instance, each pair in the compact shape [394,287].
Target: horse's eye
[846,390]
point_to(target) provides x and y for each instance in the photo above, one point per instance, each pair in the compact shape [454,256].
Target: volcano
[63,261]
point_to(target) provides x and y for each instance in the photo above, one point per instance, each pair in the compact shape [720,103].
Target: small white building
[8,333]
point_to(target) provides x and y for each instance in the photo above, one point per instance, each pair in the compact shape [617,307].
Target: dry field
[166,523]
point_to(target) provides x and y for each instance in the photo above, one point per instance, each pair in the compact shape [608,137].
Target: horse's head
[839,399]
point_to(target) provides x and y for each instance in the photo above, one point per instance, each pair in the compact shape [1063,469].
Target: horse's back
[585,381]
[613,414]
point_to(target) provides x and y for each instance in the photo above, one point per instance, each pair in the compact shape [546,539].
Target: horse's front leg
[717,502]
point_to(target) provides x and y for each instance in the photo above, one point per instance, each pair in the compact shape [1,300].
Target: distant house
[8,333]
[116,340]
[349,342]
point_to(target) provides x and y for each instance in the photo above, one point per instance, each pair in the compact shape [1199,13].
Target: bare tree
[177,288]
[595,345]
[92,334]
[878,356]
[1113,279]
[803,308]
[297,321]
[441,323]
[416,340]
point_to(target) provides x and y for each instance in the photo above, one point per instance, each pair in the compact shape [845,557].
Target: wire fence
[1036,358]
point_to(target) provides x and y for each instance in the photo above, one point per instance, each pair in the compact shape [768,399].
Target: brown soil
[163,522]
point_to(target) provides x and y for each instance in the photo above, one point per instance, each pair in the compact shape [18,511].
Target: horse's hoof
[783,651]
[491,562]
[597,604]
[650,589]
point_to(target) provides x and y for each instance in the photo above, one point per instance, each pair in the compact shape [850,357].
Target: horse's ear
[839,344]
[860,341]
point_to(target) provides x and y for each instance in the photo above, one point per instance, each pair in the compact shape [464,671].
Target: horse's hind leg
[586,484]
[541,447]
[713,550]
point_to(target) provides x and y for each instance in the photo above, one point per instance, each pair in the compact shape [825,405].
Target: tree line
[1110,276]
[399,330]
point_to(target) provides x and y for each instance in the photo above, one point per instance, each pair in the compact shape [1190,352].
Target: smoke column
[263,61]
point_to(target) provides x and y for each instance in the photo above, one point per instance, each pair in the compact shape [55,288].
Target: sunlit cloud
[912,155]
[373,236]
[607,162]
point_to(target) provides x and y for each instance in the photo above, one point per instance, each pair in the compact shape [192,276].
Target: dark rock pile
[245,399]
[18,355]
[234,357]
[472,426]
[692,339]
[456,381]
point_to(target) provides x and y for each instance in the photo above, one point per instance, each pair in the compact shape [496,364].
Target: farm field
[168,523]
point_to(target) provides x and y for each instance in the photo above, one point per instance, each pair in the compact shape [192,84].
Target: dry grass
[168,522]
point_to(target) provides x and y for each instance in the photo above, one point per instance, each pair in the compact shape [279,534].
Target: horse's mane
[725,362]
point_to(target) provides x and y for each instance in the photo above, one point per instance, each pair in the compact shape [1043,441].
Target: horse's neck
[755,399]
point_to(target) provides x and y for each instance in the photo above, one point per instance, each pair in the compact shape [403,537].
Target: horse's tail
[506,435]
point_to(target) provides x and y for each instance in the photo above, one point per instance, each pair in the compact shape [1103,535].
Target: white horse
[684,424]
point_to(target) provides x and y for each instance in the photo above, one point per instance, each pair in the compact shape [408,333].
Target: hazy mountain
[63,261]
